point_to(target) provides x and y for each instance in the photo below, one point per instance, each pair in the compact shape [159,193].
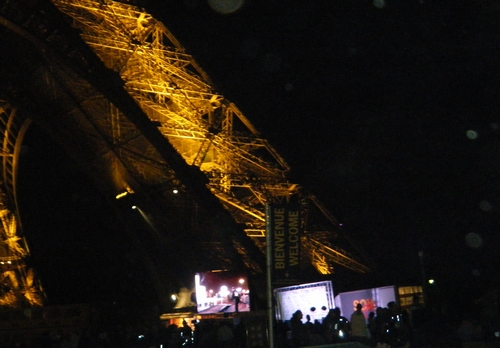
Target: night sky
[387,113]
[371,104]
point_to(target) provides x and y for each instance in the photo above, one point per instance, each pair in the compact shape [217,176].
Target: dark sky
[371,107]
[82,245]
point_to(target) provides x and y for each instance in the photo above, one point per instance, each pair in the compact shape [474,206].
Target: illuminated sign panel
[284,230]
[369,298]
[314,299]
[222,292]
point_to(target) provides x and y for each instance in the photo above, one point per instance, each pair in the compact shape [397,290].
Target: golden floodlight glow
[207,130]
[128,191]
[121,195]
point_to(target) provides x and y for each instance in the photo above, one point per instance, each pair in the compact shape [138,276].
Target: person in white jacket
[359,329]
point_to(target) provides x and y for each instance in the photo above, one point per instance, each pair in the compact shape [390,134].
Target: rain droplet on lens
[473,240]
[379,3]
[471,134]
[225,6]
[485,206]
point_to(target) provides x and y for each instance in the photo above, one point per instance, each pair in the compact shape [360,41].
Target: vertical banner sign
[284,231]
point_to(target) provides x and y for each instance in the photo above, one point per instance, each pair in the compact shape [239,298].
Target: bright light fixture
[121,195]
[128,191]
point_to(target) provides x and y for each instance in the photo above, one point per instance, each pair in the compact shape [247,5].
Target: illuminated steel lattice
[244,171]
[20,284]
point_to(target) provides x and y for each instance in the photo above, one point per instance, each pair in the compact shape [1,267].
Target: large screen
[314,299]
[369,298]
[222,292]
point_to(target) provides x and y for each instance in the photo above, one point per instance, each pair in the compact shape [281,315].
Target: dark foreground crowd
[390,327]
[386,327]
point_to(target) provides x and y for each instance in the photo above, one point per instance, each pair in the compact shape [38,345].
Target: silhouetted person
[308,323]
[236,297]
[359,330]
[315,333]
[418,319]
[308,327]
[371,323]
[282,330]
[186,334]
[398,329]
[299,335]
[240,335]
[329,325]
[225,336]
[335,326]
[417,313]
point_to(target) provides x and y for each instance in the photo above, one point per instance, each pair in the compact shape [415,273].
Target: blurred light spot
[431,281]
[471,134]
[379,3]
[485,206]
[288,87]
[225,6]
[473,240]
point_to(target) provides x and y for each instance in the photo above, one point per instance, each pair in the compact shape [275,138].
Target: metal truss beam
[208,132]
[244,170]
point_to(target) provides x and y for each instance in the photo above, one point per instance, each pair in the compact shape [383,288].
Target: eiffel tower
[116,89]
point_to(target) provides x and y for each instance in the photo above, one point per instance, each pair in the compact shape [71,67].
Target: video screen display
[314,299]
[369,298]
[222,292]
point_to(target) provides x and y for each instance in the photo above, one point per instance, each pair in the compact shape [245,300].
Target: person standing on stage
[236,297]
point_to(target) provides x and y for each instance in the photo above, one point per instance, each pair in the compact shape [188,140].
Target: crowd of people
[386,327]
[204,333]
